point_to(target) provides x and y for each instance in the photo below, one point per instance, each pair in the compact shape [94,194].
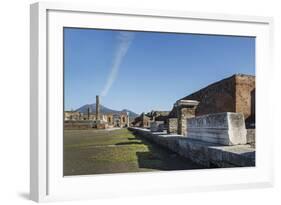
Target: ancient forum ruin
[233,94]
[185,101]
[96,119]
[212,127]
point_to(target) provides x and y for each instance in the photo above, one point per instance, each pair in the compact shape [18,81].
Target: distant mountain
[103,109]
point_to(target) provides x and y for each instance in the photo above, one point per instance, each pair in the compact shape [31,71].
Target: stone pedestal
[221,128]
[185,110]
[172,125]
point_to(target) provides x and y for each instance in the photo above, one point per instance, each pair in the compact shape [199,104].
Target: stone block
[172,125]
[185,109]
[222,128]
[157,126]
[251,136]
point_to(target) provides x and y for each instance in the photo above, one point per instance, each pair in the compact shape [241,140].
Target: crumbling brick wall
[215,98]
[233,94]
[245,97]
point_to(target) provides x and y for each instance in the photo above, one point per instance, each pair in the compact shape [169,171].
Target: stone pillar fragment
[88,112]
[185,110]
[172,125]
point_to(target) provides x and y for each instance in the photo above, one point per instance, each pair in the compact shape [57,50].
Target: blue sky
[144,71]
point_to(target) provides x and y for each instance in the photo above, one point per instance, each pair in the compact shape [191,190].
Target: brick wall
[233,94]
[245,96]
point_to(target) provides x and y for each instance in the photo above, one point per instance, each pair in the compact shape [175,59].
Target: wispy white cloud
[124,41]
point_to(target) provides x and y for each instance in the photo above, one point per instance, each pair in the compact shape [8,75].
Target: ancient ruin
[235,94]
[96,119]
[156,119]
[214,127]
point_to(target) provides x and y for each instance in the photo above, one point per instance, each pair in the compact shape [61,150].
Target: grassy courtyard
[116,151]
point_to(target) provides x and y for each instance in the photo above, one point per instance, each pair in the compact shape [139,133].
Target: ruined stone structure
[233,94]
[117,120]
[145,120]
[142,121]
[105,120]
[182,111]
[158,115]
[185,110]
[209,126]
[97,120]
[72,115]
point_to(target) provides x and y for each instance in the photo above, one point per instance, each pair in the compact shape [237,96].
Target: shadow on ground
[89,152]
[129,143]
[160,158]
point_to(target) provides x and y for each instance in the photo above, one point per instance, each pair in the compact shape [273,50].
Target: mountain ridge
[84,109]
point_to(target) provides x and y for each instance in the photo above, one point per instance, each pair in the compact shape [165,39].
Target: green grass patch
[116,151]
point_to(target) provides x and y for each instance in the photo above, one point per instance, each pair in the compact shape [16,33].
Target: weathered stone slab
[157,126]
[222,128]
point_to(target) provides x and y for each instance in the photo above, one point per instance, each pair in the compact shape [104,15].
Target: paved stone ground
[116,151]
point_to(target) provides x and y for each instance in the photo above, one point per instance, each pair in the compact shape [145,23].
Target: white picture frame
[46,179]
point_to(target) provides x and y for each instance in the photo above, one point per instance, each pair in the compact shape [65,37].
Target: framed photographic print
[127,102]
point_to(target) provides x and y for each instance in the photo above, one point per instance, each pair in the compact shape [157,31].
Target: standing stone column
[185,109]
[97,108]
[88,112]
